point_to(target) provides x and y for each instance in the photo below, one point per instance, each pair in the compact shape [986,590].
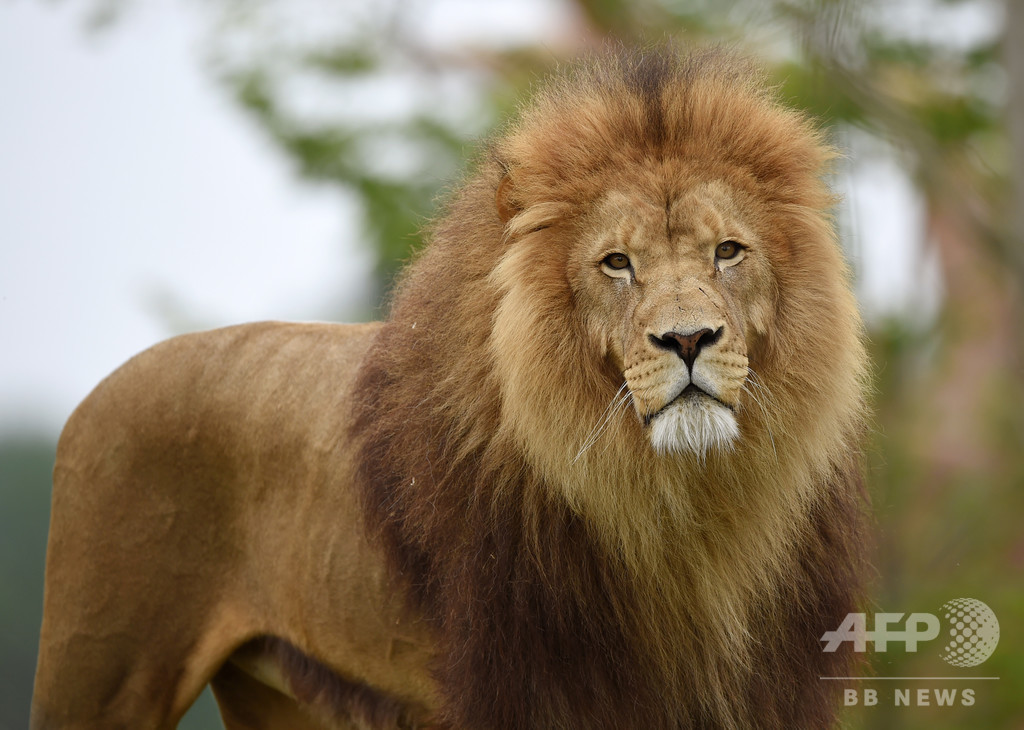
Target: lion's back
[218,389]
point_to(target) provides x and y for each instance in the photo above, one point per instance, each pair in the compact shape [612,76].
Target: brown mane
[617,589]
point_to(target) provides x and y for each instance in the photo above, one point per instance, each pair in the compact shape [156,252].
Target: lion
[599,468]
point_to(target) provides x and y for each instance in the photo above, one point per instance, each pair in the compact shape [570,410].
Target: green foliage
[25,467]
[808,88]
[349,154]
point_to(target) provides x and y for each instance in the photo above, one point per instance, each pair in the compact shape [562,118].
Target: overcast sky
[128,180]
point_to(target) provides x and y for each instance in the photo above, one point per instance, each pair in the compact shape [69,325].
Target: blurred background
[170,165]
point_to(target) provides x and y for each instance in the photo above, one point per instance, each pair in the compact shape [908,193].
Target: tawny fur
[502,508]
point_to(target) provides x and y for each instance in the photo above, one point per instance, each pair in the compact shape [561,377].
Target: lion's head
[671,278]
[610,429]
[661,284]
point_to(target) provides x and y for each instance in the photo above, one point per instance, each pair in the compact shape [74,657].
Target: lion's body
[599,468]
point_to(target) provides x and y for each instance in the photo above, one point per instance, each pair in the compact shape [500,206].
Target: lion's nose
[687,346]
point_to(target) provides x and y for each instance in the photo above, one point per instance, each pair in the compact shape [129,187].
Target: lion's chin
[695,424]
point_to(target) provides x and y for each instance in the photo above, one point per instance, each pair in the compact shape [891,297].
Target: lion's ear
[503,201]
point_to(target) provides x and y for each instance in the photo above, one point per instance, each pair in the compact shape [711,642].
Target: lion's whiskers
[621,398]
[754,381]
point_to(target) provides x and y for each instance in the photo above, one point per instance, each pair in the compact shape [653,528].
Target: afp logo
[969,630]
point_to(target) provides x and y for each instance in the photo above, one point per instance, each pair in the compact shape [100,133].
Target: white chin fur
[696,425]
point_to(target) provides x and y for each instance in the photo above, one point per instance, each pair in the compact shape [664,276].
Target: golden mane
[582,583]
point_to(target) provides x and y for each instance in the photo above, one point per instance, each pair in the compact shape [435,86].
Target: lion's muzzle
[686,384]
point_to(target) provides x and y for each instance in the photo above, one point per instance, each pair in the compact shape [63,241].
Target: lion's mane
[617,588]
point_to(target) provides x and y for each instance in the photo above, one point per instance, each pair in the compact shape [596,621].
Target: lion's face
[676,290]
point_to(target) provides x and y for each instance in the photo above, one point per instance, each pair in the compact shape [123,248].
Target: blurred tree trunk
[978,373]
[954,436]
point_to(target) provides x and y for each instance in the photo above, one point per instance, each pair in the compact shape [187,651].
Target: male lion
[599,468]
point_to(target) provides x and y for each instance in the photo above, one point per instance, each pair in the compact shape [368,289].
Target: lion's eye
[617,261]
[727,250]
